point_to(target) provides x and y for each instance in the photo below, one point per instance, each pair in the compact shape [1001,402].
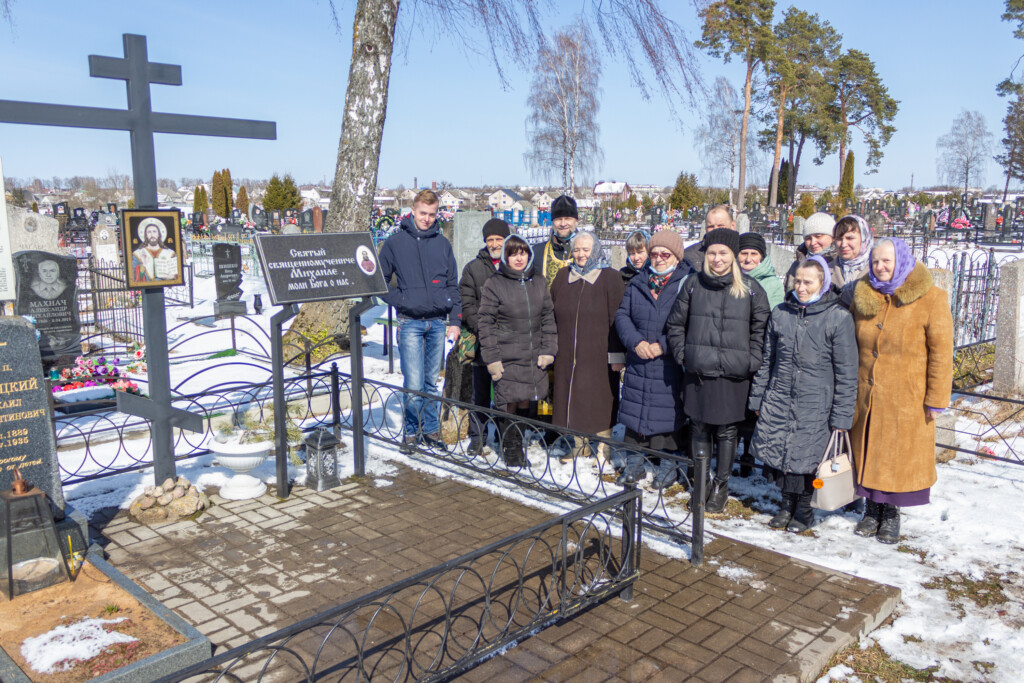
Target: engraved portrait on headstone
[47,292]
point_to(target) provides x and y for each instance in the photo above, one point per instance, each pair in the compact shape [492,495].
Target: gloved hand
[496,369]
[543,361]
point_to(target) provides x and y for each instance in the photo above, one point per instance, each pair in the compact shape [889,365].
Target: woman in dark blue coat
[806,388]
[649,407]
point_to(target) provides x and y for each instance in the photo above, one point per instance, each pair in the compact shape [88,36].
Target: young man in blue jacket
[425,295]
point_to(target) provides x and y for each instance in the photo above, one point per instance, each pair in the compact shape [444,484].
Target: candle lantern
[31,553]
[322,460]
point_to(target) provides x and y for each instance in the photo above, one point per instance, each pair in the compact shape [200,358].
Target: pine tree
[846,184]
[243,201]
[35,207]
[197,200]
[686,193]
[281,194]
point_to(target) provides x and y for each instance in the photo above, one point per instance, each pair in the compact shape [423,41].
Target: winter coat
[585,310]
[629,271]
[694,255]
[516,326]
[807,383]
[474,275]
[906,366]
[427,276]
[649,404]
[713,334]
[769,280]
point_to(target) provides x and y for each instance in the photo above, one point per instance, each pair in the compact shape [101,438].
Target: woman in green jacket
[754,261]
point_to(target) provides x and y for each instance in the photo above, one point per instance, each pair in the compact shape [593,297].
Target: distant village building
[503,199]
[449,201]
[612,192]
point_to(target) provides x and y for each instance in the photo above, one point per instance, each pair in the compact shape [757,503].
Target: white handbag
[835,483]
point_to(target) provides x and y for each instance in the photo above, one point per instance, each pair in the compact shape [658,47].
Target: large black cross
[141,121]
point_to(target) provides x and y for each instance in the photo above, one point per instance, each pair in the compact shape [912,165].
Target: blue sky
[448,116]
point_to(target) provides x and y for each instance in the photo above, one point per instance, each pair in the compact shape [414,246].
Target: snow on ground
[61,647]
[973,527]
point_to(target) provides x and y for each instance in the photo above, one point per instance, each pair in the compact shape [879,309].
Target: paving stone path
[248,568]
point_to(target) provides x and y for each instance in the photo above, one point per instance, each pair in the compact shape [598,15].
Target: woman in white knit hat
[817,236]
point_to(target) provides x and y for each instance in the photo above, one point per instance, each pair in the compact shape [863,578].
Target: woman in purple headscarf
[905,338]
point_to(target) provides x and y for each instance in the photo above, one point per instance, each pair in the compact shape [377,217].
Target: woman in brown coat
[586,298]
[905,339]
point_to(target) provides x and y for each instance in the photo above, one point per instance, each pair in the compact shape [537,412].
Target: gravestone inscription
[227,276]
[319,267]
[30,231]
[105,252]
[47,291]
[26,431]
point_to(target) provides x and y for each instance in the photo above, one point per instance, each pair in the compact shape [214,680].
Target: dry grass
[983,593]
[873,664]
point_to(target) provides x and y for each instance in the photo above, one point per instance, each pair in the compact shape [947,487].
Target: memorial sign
[47,291]
[152,248]
[227,276]
[319,267]
[26,429]
[105,252]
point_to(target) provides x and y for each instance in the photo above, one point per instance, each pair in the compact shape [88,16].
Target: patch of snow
[59,648]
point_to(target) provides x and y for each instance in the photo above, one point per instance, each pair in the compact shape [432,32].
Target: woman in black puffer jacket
[806,388]
[518,340]
[716,332]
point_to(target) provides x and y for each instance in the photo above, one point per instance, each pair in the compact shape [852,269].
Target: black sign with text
[319,267]
[26,428]
[47,291]
[227,271]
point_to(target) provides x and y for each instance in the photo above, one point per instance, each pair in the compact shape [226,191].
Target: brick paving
[248,568]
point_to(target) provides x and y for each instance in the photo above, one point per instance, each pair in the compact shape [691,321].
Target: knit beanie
[564,207]
[667,239]
[496,226]
[729,238]
[752,240]
[819,224]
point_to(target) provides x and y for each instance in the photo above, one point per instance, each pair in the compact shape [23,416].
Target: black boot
[803,514]
[718,497]
[868,525]
[781,520]
[726,442]
[889,528]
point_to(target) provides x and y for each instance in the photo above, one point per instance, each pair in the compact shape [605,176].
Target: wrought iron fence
[984,426]
[101,444]
[447,619]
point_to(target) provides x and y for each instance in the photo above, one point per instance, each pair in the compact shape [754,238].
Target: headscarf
[594,260]
[826,284]
[855,267]
[902,268]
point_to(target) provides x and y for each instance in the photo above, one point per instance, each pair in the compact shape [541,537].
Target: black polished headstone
[259,218]
[275,219]
[47,290]
[306,220]
[112,208]
[26,428]
[988,215]
[199,219]
[227,271]
[319,267]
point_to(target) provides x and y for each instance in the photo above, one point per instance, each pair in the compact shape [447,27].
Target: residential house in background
[612,192]
[503,199]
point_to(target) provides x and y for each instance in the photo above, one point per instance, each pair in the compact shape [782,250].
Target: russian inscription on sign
[319,267]
[26,431]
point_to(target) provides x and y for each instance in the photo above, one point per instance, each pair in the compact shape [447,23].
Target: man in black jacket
[718,218]
[425,293]
[474,275]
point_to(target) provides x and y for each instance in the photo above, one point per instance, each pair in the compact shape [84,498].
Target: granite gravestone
[742,223]
[227,276]
[32,231]
[47,291]
[988,215]
[105,252]
[26,430]
[467,235]
[318,219]
[259,218]
[275,219]
[306,220]
[198,220]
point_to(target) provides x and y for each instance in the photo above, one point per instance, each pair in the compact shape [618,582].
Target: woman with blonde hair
[716,332]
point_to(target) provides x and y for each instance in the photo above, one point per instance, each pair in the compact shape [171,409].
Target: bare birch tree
[562,129]
[719,138]
[654,48]
[964,150]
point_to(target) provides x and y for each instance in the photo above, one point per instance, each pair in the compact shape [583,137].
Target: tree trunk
[743,135]
[1009,166]
[355,174]
[794,169]
[842,141]
[773,186]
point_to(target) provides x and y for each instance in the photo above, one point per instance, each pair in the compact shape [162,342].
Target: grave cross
[142,122]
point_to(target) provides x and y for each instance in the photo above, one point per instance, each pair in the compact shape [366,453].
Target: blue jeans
[421,350]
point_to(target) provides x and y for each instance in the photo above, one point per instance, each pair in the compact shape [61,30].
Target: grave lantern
[322,460]
[31,552]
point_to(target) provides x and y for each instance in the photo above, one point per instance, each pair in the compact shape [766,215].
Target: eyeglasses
[661,255]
